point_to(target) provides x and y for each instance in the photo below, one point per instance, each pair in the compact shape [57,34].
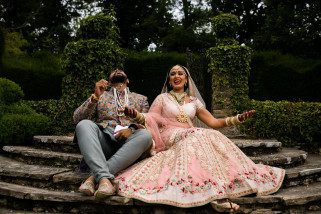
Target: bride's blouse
[170,107]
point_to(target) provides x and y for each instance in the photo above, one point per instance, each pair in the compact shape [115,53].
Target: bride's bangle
[140,118]
[232,121]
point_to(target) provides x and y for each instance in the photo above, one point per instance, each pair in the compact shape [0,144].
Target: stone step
[304,174]
[288,157]
[252,147]
[32,155]
[256,147]
[30,198]
[57,143]
[35,175]
[301,175]
[300,199]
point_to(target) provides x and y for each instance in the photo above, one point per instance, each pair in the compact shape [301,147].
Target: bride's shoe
[224,206]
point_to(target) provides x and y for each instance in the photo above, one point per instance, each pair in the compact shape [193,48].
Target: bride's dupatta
[159,123]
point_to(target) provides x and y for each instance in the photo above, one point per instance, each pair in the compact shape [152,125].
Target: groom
[108,140]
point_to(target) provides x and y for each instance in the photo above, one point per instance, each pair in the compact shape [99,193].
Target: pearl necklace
[120,106]
[180,97]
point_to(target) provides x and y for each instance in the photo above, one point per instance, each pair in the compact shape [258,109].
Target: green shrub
[276,76]
[292,123]
[99,26]
[39,75]
[20,128]
[225,26]
[10,92]
[229,64]
[85,62]
[18,121]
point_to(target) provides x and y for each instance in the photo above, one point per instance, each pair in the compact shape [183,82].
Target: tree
[291,27]
[44,24]
[141,22]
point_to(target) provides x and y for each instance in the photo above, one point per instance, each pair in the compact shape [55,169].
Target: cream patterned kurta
[104,112]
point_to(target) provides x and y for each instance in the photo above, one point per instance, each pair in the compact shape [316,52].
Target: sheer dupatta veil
[158,121]
[191,91]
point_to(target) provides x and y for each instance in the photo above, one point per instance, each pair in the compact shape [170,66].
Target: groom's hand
[123,134]
[130,112]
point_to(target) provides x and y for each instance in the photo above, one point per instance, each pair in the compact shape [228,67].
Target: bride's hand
[245,115]
[130,112]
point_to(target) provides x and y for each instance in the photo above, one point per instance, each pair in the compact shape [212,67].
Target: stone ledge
[251,147]
[40,156]
[267,143]
[32,193]
[12,168]
[308,173]
[56,139]
[294,196]
[288,157]
[303,197]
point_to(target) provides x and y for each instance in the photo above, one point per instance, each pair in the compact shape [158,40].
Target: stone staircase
[44,178]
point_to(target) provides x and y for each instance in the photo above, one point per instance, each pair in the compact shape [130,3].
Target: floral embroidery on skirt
[202,165]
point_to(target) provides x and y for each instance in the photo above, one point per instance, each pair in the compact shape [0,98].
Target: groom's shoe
[104,190]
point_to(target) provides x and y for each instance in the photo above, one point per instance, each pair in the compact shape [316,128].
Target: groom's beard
[118,78]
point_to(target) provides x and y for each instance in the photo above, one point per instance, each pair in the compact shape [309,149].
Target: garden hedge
[18,121]
[292,123]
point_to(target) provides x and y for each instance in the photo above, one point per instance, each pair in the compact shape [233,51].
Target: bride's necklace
[179,97]
[120,105]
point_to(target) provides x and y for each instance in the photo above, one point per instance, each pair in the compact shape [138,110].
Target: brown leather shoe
[104,190]
[87,188]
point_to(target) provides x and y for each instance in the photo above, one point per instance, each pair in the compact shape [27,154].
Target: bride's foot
[224,205]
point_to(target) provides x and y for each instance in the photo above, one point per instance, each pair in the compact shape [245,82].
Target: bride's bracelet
[140,118]
[232,121]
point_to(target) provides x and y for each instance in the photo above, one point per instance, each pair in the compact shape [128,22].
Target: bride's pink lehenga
[192,166]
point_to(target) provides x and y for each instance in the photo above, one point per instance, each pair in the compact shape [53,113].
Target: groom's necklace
[121,104]
[179,97]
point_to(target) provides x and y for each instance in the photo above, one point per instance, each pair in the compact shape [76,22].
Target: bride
[192,166]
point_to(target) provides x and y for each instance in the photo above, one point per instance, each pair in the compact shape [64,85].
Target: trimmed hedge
[85,62]
[230,66]
[18,121]
[292,123]
[20,128]
[276,76]
[10,92]
[99,26]
[38,75]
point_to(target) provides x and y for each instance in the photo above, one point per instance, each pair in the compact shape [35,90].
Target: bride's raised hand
[245,115]
[130,112]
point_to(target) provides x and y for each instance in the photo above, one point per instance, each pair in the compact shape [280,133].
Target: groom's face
[117,76]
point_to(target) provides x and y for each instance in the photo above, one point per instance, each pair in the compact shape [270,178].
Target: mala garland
[120,106]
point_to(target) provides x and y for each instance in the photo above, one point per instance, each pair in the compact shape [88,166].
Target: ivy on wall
[86,61]
[229,64]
